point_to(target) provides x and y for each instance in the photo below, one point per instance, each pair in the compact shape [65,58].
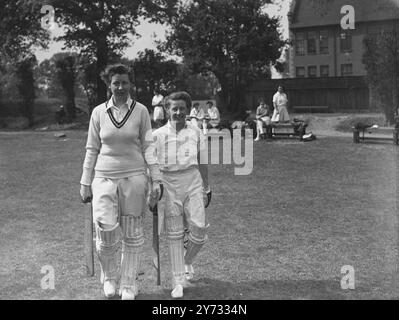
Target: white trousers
[115,197]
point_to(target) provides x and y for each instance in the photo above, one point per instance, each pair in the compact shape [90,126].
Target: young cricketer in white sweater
[185,178]
[119,150]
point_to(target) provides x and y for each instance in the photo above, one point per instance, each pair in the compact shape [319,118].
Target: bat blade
[88,240]
[155,244]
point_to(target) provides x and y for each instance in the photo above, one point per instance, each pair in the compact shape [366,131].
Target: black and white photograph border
[179,150]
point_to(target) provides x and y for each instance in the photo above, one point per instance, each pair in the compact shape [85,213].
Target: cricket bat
[155,243]
[155,238]
[88,239]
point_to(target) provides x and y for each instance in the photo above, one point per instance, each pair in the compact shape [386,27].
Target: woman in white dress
[280,103]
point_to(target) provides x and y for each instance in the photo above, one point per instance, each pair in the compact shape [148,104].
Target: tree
[58,77]
[99,29]
[20,28]
[200,85]
[66,73]
[381,59]
[234,39]
[24,71]
[153,70]
[87,77]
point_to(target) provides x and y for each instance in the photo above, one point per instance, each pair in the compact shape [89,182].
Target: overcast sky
[150,32]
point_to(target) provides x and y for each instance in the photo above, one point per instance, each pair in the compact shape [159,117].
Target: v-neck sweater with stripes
[118,150]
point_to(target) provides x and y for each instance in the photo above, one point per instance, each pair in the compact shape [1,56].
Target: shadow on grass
[377,141]
[210,289]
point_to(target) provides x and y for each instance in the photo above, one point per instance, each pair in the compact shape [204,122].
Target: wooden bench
[310,109]
[295,129]
[359,134]
[287,130]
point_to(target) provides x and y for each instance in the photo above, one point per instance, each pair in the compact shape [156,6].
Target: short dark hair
[114,69]
[280,86]
[210,102]
[261,100]
[196,104]
[180,95]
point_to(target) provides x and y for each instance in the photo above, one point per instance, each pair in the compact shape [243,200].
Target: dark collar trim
[125,118]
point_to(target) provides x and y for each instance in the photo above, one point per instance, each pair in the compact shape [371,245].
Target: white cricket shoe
[189,271]
[177,291]
[257,139]
[109,288]
[128,293]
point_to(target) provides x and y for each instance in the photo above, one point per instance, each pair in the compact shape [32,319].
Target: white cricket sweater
[119,149]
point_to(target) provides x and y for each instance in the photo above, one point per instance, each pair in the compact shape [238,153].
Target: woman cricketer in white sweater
[119,150]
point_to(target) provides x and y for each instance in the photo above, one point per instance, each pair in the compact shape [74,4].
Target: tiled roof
[308,13]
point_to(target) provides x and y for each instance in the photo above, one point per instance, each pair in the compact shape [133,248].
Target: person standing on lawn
[179,146]
[119,150]
[280,104]
[157,105]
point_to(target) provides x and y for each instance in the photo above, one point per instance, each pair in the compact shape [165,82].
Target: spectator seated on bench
[196,115]
[263,113]
[205,120]
[295,127]
[212,118]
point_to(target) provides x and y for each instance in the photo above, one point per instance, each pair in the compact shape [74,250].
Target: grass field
[283,232]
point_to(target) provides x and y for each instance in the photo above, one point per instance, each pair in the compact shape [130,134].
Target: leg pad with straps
[175,233]
[132,245]
[196,239]
[107,242]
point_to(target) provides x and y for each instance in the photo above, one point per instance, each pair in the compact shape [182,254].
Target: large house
[325,60]
[322,48]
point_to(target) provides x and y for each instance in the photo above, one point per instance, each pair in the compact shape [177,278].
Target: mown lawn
[283,232]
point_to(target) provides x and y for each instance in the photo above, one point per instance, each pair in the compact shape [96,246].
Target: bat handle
[154,210]
[87,200]
[161,186]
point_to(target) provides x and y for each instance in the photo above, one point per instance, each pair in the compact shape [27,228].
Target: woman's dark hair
[180,95]
[112,70]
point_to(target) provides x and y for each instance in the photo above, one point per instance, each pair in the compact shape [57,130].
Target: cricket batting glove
[86,194]
[155,194]
[208,194]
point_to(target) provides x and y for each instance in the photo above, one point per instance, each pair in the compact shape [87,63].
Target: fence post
[356,135]
[395,136]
